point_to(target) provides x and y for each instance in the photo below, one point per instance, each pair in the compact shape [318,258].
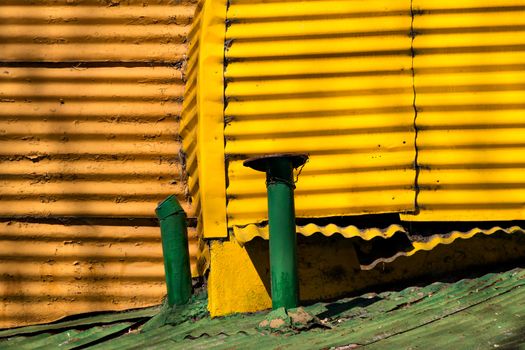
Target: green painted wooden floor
[486,312]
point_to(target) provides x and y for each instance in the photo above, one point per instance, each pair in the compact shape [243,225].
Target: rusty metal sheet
[247,233]
[331,79]
[470,93]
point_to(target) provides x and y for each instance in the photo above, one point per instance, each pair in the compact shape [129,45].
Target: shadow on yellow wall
[329,268]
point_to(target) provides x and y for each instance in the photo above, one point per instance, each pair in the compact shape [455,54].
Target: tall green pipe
[175,250]
[281,220]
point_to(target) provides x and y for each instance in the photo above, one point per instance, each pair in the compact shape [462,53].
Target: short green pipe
[175,250]
[281,220]
[283,238]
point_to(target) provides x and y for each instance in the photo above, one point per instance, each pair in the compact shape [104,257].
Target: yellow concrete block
[234,283]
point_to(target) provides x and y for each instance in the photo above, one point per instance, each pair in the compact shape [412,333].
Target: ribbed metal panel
[95,30]
[89,142]
[90,98]
[203,118]
[50,271]
[470,94]
[433,241]
[190,112]
[328,78]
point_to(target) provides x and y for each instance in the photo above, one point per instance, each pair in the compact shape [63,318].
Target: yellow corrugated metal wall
[90,95]
[328,78]
[411,107]
[190,114]
[202,118]
[470,95]
[370,89]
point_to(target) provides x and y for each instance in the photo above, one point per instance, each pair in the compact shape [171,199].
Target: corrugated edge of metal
[433,241]
[419,243]
[189,130]
[203,118]
[249,232]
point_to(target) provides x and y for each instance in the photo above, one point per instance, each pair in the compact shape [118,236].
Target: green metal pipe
[283,238]
[281,220]
[175,250]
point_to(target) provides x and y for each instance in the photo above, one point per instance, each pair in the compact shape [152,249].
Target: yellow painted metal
[449,238]
[470,93]
[189,114]
[77,31]
[69,269]
[203,117]
[89,99]
[249,232]
[70,148]
[328,78]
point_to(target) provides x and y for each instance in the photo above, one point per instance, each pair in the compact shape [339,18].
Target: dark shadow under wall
[329,266]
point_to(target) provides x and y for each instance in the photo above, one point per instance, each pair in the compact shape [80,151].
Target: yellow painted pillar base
[234,285]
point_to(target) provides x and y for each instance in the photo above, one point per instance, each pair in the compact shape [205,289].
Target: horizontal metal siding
[89,142]
[49,271]
[328,78]
[431,242]
[470,94]
[90,93]
[81,31]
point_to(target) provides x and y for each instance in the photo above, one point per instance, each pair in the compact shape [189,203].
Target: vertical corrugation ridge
[414,105]
[468,66]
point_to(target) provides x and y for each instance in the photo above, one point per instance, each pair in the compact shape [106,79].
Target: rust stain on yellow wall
[50,271]
[90,94]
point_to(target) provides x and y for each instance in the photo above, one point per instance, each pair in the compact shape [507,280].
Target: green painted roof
[478,313]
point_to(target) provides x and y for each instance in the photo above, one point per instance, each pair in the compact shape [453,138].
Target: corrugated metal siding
[203,118]
[190,113]
[429,243]
[94,30]
[329,78]
[90,96]
[89,142]
[470,94]
[249,232]
[52,270]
